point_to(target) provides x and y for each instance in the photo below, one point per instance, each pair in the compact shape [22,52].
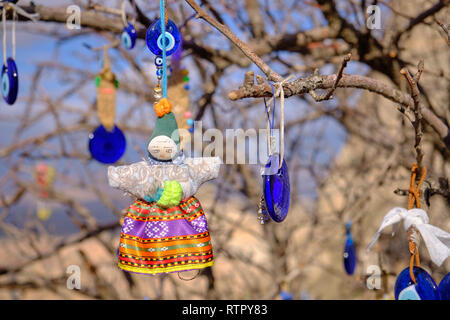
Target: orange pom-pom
[162,107]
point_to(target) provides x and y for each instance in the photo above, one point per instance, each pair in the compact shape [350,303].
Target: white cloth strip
[436,240]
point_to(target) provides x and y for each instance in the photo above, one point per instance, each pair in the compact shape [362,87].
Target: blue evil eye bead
[349,255]
[159,61]
[155,40]
[159,72]
[107,146]
[444,287]
[276,189]
[10,81]
[129,36]
[425,289]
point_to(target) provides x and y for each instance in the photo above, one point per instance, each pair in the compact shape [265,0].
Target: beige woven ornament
[106,94]
[179,98]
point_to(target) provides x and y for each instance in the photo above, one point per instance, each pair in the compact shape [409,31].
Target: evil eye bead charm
[349,251]
[276,189]
[10,81]
[444,287]
[155,39]
[159,61]
[129,37]
[107,146]
[425,289]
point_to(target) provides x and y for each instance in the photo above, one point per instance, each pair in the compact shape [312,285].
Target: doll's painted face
[162,148]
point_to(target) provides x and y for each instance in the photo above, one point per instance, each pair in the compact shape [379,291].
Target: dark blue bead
[129,36]
[444,287]
[105,146]
[155,40]
[191,129]
[425,289]
[10,81]
[286,295]
[349,255]
[276,189]
[186,87]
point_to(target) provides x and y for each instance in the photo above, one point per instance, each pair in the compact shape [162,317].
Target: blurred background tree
[351,138]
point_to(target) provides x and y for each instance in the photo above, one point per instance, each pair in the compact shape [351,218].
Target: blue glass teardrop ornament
[10,81]
[444,287]
[276,188]
[129,36]
[349,251]
[155,39]
[107,146]
[425,289]
[284,295]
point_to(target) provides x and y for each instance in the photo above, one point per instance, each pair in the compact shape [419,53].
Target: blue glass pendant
[425,289]
[106,146]
[10,81]
[276,189]
[129,37]
[444,287]
[284,295]
[349,251]
[155,39]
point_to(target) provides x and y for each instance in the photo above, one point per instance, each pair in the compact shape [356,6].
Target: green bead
[186,78]
[116,83]
[97,81]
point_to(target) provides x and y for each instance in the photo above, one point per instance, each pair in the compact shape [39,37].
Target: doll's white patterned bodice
[142,179]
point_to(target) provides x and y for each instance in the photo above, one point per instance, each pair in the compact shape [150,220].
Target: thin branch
[329,94]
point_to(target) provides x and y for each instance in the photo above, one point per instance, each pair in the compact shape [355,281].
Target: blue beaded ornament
[155,39]
[349,251]
[425,289]
[276,189]
[10,81]
[444,287]
[129,36]
[107,146]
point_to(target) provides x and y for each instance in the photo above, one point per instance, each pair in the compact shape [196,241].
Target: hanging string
[16,10]
[188,279]
[414,197]
[13,34]
[4,34]
[163,15]
[269,123]
[124,15]
[280,92]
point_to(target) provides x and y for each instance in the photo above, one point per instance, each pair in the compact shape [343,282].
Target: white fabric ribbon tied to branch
[436,240]
[32,16]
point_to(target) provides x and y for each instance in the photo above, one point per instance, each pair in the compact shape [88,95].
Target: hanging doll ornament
[414,283]
[165,229]
[44,175]
[129,35]
[276,189]
[349,250]
[107,143]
